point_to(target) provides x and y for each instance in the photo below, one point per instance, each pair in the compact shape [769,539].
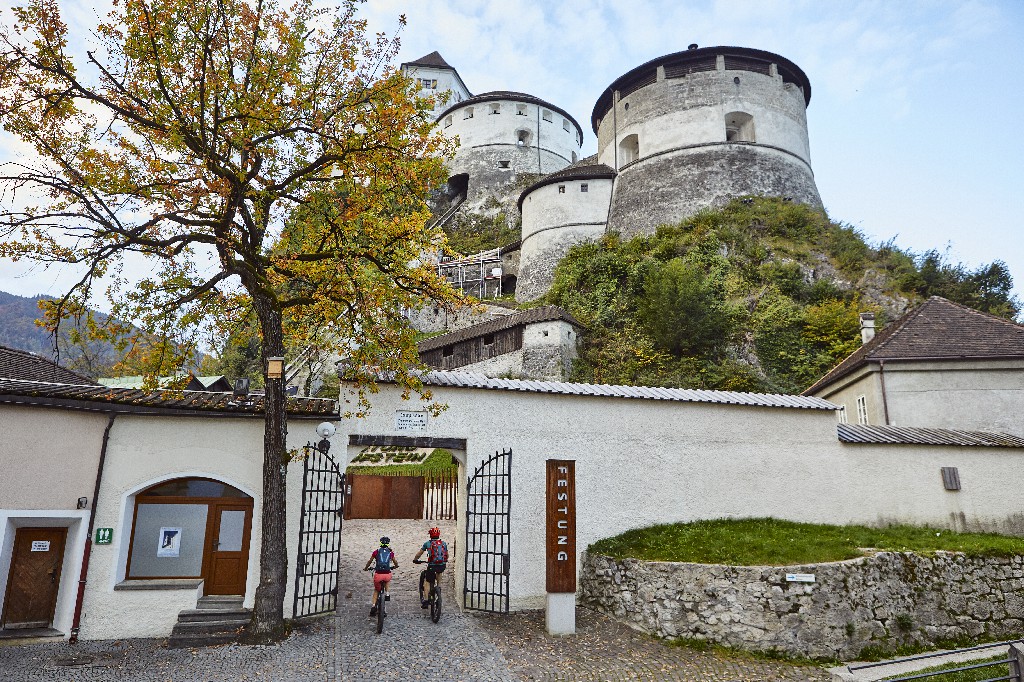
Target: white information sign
[169,544]
[40,545]
[799,577]
[410,421]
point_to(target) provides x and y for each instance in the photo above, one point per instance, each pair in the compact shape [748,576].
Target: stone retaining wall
[879,601]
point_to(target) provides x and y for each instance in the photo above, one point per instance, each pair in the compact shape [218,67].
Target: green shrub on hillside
[743,298]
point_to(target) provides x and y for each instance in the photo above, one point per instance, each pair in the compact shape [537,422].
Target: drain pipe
[76,622]
[885,402]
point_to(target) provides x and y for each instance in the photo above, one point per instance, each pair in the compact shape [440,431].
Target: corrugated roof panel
[867,434]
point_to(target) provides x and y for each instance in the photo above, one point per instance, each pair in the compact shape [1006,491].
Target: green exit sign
[104,536]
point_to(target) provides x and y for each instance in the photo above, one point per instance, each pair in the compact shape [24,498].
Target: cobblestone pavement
[306,656]
[412,647]
[605,651]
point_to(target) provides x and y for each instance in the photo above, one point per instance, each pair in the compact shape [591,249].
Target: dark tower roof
[433,59]
[695,60]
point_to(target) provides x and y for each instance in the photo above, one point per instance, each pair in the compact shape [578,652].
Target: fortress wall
[554,222]
[667,188]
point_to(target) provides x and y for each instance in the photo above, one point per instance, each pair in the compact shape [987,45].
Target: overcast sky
[913,116]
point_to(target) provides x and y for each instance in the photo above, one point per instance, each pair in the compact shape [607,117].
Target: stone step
[220,602]
[206,615]
[209,627]
[190,641]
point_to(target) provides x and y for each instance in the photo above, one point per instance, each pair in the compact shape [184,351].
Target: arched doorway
[192,528]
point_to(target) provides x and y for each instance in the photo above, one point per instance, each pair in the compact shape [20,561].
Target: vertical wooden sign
[561,525]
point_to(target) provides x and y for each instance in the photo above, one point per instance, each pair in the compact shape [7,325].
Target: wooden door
[228,548]
[34,579]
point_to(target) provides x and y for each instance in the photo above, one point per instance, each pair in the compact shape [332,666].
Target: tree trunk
[268,612]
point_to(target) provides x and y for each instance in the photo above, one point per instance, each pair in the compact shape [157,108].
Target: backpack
[438,552]
[384,560]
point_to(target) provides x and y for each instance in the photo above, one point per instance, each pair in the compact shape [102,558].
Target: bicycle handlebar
[418,561]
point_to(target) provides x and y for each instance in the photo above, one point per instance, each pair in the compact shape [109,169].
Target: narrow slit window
[862,409]
[561,189]
[584,187]
[503,164]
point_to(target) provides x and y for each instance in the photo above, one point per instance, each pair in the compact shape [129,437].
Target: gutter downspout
[77,620]
[538,141]
[885,403]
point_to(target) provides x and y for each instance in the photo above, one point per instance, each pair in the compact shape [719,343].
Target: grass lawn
[977,675]
[771,542]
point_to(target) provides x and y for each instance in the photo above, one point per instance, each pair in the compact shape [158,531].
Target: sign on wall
[170,543]
[40,545]
[406,420]
[561,525]
[104,536]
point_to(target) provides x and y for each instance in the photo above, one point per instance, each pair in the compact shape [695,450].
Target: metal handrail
[934,654]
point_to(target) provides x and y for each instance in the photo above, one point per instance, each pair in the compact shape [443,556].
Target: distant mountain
[18,329]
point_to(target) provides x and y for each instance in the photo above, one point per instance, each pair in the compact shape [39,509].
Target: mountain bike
[434,596]
[381,610]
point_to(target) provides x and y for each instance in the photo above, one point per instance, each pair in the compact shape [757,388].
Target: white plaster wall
[49,456]
[77,523]
[446,81]
[507,365]
[642,462]
[486,129]
[690,111]
[144,451]
[971,396]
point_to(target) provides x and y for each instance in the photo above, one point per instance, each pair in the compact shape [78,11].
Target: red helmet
[435,532]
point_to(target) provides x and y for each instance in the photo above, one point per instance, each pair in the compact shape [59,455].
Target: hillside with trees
[762,295]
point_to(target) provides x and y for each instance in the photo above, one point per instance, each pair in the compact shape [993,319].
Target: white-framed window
[862,409]
[841,414]
[547,116]
[467,113]
[428,84]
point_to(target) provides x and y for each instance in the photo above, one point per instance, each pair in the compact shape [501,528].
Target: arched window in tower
[575,158]
[523,138]
[629,149]
[739,127]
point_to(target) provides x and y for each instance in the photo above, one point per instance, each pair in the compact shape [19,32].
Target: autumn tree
[252,161]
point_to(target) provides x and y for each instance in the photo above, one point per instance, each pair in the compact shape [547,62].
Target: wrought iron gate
[487,535]
[319,555]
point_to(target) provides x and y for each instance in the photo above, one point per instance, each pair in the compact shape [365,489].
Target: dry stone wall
[877,602]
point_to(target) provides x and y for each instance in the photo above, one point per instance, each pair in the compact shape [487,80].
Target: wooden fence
[439,493]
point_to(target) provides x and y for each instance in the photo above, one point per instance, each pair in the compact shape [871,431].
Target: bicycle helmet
[435,532]
[385,541]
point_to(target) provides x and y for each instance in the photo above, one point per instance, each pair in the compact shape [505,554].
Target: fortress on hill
[675,135]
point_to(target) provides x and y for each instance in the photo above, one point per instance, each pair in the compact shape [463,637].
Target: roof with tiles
[899,435]
[96,398]
[19,364]
[938,329]
[433,59]
[479,381]
[545,313]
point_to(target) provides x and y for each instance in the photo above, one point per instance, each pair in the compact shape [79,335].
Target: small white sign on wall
[40,545]
[799,577]
[406,420]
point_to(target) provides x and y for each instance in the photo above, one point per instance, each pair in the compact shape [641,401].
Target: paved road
[346,646]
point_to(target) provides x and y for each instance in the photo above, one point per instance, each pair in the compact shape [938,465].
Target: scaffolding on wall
[478,275]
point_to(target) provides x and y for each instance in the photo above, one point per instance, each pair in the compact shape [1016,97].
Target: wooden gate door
[385,497]
[228,551]
[34,578]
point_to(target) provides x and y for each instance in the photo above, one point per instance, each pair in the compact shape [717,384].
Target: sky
[912,115]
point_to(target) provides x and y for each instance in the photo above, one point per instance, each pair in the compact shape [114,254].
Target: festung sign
[561,525]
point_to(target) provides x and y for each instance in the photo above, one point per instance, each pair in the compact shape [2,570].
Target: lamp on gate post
[325,430]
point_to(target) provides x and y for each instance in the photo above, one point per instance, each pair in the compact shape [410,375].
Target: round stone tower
[505,134]
[697,128]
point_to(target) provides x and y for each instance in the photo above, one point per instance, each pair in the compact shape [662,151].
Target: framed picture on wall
[169,544]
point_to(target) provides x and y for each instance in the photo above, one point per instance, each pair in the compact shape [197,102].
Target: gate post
[1017,660]
[560,547]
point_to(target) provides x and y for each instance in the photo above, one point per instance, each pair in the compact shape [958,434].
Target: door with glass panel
[229,548]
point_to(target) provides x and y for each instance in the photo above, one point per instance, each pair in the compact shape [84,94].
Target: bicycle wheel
[380,611]
[435,604]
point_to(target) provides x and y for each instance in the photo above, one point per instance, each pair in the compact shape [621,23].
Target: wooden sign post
[560,548]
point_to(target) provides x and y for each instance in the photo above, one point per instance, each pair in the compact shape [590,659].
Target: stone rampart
[879,601]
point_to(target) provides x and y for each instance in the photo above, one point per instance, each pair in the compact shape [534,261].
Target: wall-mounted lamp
[275,368]
[325,430]
[83,503]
